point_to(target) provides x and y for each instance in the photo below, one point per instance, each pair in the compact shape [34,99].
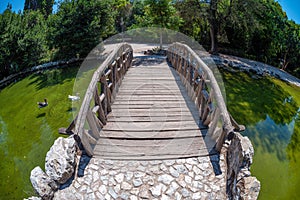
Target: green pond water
[268,107]
[27,132]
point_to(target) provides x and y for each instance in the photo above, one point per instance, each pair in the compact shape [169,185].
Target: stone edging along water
[51,65]
[242,64]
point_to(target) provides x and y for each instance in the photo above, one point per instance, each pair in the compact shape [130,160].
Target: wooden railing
[99,96]
[204,90]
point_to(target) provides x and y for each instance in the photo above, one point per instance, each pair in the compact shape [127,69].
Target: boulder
[42,184]
[60,159]
[33,198]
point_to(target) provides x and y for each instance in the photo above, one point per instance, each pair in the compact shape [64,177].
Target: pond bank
[236,63]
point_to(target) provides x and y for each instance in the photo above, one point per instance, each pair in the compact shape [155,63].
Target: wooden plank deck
[152,118]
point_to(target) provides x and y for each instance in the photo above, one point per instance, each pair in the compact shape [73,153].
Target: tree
[23,41]
[194,16]
[45,6]
[161,13]
[79,26]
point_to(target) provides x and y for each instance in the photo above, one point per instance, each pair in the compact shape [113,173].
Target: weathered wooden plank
[86,141]
[93,125]
[152,135]
[175,118]
[148,105]
[151,126]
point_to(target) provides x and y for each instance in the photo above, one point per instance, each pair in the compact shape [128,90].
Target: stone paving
[191,178]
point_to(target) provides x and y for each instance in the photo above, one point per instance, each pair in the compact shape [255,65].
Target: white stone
[119,177]
[196,170]
[132,197]
[137,182]
[189,166]
[191,161]
[203,166]
[169,162]
[129,175]
[198,177]
[149,180]
[102,189]
[107,197]
[124,196]
[111,181]
[141,168]
[94,167]
[76,185]
[185,193]
[178,196]
[33,198]
[197,184]
[180,161]
[165,197]
[126,186]
[156,191]
[154,169]
[166,179]
[144,163]
[163,168]
[191,174]
[196,195]
[172,189]
[188,179]
[155,162]
[42,183]
[103,172]
[99,195]
[138,174]
[174,185]
[83,189]
[215,187]
[181,169]
[144,193]
[207,188]
[134,191]
[112,172]
[112,193]
[60,159]
[117,188]
[174,172]
[96,176]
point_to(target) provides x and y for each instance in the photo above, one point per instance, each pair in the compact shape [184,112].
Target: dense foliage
[256,29]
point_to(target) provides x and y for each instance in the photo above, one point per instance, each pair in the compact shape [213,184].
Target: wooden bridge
[152,107]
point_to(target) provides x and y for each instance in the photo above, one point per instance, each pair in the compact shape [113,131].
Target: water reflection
[270,110]
[272,137]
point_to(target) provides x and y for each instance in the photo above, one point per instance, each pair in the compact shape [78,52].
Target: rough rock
[42,183]
[33,198]
[249,187]
[239,155]
[60,159]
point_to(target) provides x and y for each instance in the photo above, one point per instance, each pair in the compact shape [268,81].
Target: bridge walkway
[152,117]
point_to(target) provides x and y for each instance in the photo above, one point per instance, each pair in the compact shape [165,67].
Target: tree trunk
[213,23]
[160,39]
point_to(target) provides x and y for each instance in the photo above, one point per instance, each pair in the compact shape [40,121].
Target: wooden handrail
[204,90]
[108,78]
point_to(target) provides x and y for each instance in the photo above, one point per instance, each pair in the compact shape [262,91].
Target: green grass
[28,132]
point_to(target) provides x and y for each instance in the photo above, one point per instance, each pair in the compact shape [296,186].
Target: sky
[292,7]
